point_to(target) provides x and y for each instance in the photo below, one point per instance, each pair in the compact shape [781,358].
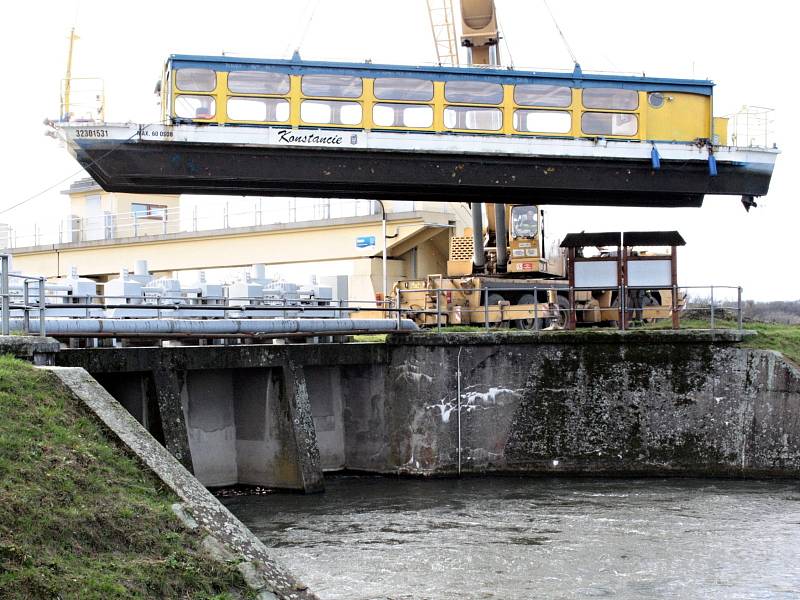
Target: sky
[745,49]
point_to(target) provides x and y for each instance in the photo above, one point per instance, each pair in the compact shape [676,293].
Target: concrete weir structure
[616,403]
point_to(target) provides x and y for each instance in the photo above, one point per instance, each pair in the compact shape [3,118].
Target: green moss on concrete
[80,518]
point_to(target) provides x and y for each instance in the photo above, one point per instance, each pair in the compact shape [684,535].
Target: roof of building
[87,184]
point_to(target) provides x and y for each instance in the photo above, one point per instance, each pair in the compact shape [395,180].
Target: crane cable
[502,36]
[561,33]
[311,11]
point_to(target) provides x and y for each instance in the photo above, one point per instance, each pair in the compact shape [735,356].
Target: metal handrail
[176,219]
[541,287]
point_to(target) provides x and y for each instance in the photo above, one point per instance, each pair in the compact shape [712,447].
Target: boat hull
[208,167]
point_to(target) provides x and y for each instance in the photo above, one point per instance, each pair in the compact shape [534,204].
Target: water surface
[509,538]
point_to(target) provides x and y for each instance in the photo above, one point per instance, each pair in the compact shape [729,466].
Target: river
[524,538]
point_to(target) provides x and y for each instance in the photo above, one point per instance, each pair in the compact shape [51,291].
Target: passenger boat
[293,127]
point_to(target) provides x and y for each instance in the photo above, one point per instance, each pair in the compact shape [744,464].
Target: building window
[155,212]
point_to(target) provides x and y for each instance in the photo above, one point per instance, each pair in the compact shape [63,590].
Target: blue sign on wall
[365,241]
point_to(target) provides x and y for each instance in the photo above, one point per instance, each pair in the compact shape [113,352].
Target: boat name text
[287,137]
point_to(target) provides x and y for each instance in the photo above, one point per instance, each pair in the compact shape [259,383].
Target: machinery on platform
[511,277]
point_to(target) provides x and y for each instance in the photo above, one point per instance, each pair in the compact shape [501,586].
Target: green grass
[81,518]
[370,337]
[771,336]
[783,338]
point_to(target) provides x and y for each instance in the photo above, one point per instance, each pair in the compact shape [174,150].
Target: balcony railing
[234,213]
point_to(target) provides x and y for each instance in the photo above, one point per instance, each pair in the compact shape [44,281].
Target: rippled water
[536,538]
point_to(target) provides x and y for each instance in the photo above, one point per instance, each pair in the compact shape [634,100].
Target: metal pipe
[500,236]
[212,328]
[478,253]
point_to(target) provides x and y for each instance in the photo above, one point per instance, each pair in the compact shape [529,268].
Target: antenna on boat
[563,38]
[65,109]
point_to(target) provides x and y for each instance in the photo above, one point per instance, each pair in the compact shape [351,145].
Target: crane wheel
[531,323]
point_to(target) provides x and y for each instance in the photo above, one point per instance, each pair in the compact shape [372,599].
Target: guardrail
[5,298]
[568,310]
[156,219]
[36,303]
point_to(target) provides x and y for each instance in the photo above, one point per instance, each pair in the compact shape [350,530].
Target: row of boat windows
[405,88]
[335,112]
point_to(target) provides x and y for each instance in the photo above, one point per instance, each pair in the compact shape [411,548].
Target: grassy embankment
[81,518]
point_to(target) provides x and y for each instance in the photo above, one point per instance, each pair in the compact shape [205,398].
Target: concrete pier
[636,403]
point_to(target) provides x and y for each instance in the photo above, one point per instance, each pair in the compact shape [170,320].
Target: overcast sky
[748,49]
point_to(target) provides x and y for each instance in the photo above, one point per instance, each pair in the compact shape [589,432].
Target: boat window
[195,107]
[329,112]
[338,86]
[600,123]
[656,99]
[473,117]
[258,109]
[258,82]
[403,88]
[524,222]
[542,121]
[537,94]
[196,80]
[402,115]
[482,92]
[612,98]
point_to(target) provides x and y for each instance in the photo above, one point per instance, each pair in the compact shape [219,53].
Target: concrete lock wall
[631,408]
[619,404]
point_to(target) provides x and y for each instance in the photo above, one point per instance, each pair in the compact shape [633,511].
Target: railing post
[712,307]
[135,225]
[42,308]
[194,218]
[225,217]
[622,314]
[4,302]
[739,306]
[26,315]
[486,307]
[397,301]
[438,310]
[535,309]
[676,323]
